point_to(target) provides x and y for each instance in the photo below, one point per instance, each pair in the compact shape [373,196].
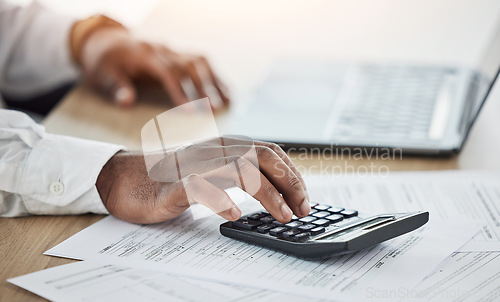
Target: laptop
[423,110]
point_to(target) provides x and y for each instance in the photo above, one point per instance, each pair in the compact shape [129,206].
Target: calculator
[326,231]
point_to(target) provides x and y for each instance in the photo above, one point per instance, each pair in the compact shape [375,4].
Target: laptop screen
[491,61]
[489,69]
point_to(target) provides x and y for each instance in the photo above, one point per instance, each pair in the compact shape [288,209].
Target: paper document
[471,276]
[143,259]
[196,249]
[91,281]
[463,196]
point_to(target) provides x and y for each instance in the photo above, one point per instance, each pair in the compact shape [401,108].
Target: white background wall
[129,12]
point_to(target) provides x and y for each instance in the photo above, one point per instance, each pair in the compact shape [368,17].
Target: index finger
[284,179]
[282,154]
[235,141]
[170,82]
[221,88]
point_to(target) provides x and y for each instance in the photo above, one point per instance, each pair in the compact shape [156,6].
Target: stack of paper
[454,256]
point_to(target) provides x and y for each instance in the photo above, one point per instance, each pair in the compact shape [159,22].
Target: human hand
[131,194]
[112,60]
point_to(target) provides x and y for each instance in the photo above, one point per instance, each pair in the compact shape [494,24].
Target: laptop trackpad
[289,111]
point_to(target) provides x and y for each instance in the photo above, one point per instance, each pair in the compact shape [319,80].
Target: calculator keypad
[322,218]
[265,228]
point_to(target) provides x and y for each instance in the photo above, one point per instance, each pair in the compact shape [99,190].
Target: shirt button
[56,188]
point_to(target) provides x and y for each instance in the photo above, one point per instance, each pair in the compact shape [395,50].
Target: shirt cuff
[60,175]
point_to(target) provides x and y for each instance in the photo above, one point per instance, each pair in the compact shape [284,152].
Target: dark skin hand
[134,190]
[113,60]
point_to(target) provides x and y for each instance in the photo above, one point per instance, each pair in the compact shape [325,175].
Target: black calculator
[326,231]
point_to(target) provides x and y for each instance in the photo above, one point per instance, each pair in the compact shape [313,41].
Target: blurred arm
[34,50]
[45,173]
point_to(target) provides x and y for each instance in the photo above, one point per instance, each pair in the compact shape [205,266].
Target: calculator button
[267,219]
[257,216]
[277,231]
[321,207]
[302,237]
[312,211]
[289,234]
[335,210]
[317,231]
[349,213]
[294,224]
[246,224]
[321,214]
[294,218]
[306,227]
[321,222]
[335,218]
[307,219]
[277,223]
[265,228]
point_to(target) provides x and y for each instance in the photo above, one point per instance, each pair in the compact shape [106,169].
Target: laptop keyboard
[402,98]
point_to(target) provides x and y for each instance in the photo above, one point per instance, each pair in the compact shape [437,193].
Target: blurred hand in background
[113,60]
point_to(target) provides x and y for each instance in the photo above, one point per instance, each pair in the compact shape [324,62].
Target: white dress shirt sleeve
[44,173]
[34,50]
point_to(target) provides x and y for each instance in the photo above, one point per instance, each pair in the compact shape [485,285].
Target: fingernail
[122,95]
[305,207]
[235,213]
[286,212]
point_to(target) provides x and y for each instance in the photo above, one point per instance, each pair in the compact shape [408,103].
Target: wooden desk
[22,243]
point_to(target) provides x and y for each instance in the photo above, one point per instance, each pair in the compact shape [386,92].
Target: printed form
[457,195]
[464,276]
[462,196]
[470,276]
[196,249]
[91,281]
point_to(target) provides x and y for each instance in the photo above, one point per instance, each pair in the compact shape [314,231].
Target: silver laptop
[418,109]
